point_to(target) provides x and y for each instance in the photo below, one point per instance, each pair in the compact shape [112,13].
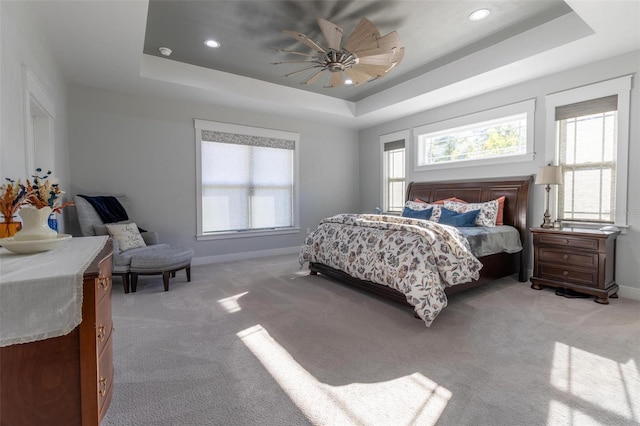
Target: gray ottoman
[165,261]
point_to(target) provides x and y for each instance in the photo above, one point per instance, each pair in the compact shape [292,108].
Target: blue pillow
[449,217]
[417,214]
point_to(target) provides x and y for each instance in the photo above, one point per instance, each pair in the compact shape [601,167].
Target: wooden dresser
[578,259]
[66,380]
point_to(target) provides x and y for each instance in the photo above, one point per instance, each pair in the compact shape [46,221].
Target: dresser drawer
[104,323]
[566,257]
[105,374]
[586,276]
[569,241]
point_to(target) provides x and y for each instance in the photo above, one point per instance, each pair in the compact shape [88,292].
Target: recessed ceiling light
[212,43]
[479,14]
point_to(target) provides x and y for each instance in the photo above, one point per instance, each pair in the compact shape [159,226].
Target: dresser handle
[565,273]
[568,241]
[104,282]
[565,257]
[101,333]
[103,386]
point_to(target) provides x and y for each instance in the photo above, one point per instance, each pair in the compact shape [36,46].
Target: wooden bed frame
[516,192]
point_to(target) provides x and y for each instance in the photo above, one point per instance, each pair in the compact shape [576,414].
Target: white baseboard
[632,293]
[231,257]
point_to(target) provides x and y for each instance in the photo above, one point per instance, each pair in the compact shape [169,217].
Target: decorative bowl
[33,246]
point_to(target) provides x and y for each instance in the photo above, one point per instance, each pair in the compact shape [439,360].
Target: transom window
[497,135]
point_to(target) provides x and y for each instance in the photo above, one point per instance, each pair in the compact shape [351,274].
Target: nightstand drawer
[564,257]
[569,241]
[587,276]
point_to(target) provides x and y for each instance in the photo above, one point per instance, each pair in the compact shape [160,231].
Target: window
[587,153]
[588,128]
[393,166]
[247,180]
[493,136]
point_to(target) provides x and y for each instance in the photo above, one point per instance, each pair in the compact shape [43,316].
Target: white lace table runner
[41,293]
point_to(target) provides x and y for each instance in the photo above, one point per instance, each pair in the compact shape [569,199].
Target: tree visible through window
[495,138]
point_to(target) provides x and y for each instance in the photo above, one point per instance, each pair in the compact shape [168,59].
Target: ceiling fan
[365,56]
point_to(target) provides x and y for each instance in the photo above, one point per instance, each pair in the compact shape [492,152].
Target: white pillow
[488,211]
[126,234]
[435,214]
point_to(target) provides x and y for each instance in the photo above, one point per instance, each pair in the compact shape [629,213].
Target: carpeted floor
[261,342]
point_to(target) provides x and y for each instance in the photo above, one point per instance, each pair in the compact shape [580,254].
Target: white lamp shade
[549,175]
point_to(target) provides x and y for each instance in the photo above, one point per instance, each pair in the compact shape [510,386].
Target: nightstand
[578,259]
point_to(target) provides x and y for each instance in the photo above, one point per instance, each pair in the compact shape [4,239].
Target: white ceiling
[101,44]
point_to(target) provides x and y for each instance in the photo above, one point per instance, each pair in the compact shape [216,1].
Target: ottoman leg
[134,282]
[125,282]
[188,269]
[165,279]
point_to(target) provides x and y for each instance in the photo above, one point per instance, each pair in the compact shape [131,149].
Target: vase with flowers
[43,198]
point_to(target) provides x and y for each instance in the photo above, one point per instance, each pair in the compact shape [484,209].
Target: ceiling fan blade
[293,52]
[356,76]
[363,34]
[305,40]
[373,70]
[335,80]
[331,32]
[398,56]
[302,70]
[384,59]
[313,77]
[293,62]
[383,45]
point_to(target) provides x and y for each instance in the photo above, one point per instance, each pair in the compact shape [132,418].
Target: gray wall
[145,148]
[23,44]
[628,265]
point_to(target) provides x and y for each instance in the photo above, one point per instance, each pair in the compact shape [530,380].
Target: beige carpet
[262,343]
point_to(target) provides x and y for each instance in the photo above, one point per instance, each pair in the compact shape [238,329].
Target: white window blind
[247,181]
[587,142]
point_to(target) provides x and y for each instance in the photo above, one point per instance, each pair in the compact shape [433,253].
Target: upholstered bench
[166,261]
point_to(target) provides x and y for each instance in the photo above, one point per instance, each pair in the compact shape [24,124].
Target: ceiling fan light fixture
[365,56]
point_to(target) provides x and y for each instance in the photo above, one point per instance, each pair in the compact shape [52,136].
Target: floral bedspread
[416,257]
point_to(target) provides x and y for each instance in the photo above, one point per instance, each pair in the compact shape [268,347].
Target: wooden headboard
[515,190]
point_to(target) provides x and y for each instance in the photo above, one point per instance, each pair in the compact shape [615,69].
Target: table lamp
[548,175]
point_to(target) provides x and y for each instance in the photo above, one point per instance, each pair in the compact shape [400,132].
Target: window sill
[246,234]
[478,162]
[596,226]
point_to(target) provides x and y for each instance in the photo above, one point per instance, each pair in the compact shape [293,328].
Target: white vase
[35,225]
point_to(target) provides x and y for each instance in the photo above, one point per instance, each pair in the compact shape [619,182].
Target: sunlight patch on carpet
[230,304]
[588,376]
[412,399]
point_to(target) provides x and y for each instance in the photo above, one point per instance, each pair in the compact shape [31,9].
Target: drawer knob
[565,273]
[103,386]
[101,332]
[565,257]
